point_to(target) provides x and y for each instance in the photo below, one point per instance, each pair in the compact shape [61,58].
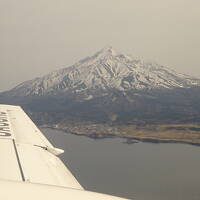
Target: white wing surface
[29,167]
[26,155]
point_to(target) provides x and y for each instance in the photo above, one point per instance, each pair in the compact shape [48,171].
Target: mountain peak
[106,70]
[106,51]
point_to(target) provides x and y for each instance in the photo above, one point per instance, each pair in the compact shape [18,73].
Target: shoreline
[130,139]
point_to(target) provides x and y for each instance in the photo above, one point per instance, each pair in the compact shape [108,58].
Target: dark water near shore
[144,171]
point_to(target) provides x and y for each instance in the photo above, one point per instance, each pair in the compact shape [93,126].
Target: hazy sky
[38,36]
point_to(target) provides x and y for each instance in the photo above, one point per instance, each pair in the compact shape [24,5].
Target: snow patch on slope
[106,70]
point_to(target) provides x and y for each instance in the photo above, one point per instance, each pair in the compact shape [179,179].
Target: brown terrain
[175,133]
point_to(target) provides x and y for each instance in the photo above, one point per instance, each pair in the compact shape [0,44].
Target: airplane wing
[25,153]
[29,162]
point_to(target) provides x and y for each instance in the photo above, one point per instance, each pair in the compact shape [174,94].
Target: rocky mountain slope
[104,71]
[110,87]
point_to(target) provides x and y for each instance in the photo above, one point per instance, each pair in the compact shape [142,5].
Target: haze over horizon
[38,37]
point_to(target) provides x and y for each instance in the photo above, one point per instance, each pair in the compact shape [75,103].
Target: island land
[158,133]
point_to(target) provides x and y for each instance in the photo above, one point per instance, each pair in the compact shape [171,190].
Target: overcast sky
[38,36]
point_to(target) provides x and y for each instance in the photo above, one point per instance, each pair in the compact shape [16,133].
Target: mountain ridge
[112,94]
[103,71]
[109,87]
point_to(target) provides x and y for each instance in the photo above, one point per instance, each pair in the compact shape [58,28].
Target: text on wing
[4,125]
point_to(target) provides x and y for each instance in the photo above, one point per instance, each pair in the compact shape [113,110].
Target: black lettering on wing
[4,124]
[4,129]
[2,113]
[5,134]
[3,120]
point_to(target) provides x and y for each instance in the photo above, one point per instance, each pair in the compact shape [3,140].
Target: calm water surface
[144,171]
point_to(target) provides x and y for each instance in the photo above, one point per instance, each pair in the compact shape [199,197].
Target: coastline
[144,134]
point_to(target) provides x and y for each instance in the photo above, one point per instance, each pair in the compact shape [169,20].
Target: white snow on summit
[106,69]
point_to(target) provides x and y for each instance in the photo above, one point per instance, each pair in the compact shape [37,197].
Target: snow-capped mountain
[110,87]
[105,70]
